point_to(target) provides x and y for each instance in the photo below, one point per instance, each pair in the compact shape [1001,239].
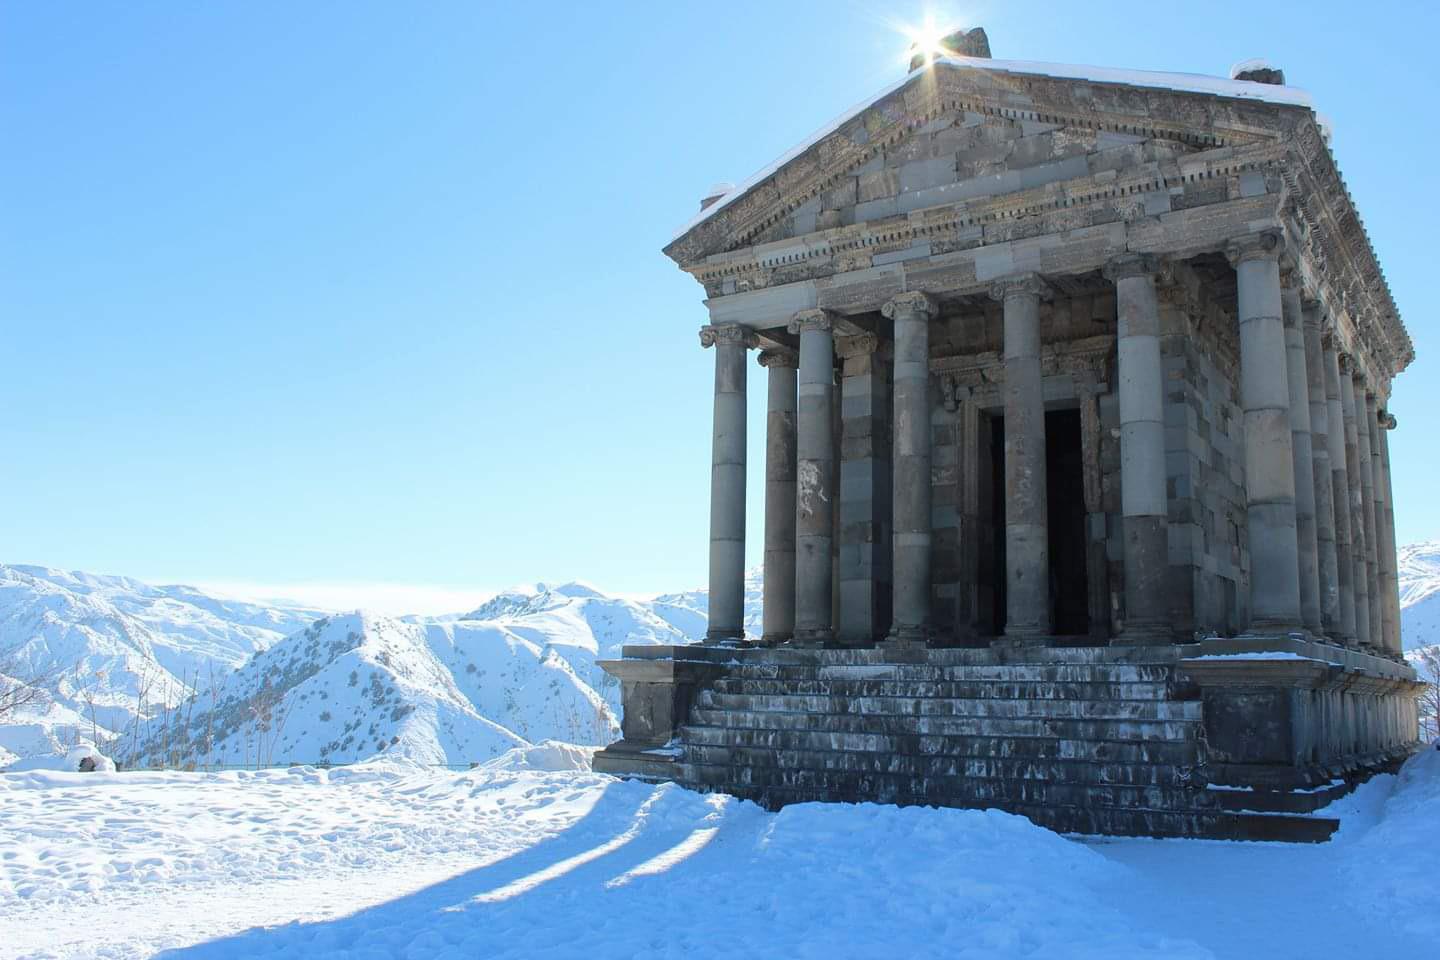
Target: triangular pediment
[956,134]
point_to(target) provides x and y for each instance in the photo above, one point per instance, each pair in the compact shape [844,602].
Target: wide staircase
[1094,740]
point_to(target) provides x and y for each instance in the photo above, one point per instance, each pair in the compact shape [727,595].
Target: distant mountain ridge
[136,661]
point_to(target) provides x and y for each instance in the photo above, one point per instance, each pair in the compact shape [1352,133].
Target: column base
[775,639]
[1138,633]
[1026,636]
[726,637]
[812,637]
[1272,630]
[901,635]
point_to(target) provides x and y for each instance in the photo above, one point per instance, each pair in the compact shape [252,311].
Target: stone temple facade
[1077,485]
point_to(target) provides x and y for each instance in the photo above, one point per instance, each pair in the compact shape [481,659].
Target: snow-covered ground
[531,857]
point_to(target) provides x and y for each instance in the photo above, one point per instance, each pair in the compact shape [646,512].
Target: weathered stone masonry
[1086,381]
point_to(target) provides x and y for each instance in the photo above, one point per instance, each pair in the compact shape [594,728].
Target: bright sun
[925,39]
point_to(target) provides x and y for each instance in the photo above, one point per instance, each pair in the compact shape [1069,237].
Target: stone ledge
[1352,660]
[636,760]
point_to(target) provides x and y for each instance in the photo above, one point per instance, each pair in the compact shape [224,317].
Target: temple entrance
[1064,490]
[1065,496]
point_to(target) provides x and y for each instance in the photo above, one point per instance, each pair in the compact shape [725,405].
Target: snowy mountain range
[172,673]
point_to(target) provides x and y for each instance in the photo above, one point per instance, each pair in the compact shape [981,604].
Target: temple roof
[1238,123]
[1184,82]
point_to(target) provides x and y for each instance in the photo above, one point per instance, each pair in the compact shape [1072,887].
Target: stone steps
[1105,821]
[1086,741]
[709,709]
[1054,769]
[964,791]
[929,735]
[951,656]
[946,690]
[787,748]
[932,673]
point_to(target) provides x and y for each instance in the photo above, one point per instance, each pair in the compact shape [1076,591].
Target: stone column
[727,483]
[1389,563]
[1361,577]
[778,610]
[1097,564]
[1027,547]
[814,478]
[1269,462]
[1144,508]
[1365,422]
[1302,457]
[864,514]
[910,551]
[1327,572]
[1340,486]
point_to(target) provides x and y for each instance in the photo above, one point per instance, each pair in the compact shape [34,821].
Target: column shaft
[778,610]
[1027,547]
[727,483]
[865,477]
[1340,485]
[1097,565]
[1269,462]
[1367,426]
[911,313]
[814,478]
[1302,459]
[1326,570]
[1356,497]
[1143,500]
[1389,566]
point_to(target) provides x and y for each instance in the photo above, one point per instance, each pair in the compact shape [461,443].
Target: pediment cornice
[1225,134]
[1204,121]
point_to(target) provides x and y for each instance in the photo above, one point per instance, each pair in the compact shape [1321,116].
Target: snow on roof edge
[1184,82]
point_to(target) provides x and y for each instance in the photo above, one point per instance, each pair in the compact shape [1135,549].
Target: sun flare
[925,40]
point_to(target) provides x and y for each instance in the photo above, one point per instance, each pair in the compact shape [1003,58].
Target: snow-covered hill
[357,686]
[456,689]
[1419,574]
[174,672]
[114,649]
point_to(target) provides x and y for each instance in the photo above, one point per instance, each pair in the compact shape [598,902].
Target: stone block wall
[1205,472]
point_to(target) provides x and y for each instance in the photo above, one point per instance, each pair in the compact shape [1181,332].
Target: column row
[1322,552]
[1319,515]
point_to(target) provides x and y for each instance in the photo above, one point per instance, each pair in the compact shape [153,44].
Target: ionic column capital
[779,357]
[814,319]
[727,334]
[1026,284]
[1264,245]
[913,304]
[1387,420]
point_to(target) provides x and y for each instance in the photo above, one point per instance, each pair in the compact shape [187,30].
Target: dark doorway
[1065,494]
[1065,498]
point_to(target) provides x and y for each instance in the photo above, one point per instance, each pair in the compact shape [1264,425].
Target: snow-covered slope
[114,649]
[689,611]
[1419,574]
[530,857]
[457,689]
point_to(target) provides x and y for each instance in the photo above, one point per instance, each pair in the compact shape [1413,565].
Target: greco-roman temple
[1077,480]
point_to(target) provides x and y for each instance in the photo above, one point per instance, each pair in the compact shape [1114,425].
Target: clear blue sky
[372,293]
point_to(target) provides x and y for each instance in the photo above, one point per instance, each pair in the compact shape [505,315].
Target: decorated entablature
[1153,167]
